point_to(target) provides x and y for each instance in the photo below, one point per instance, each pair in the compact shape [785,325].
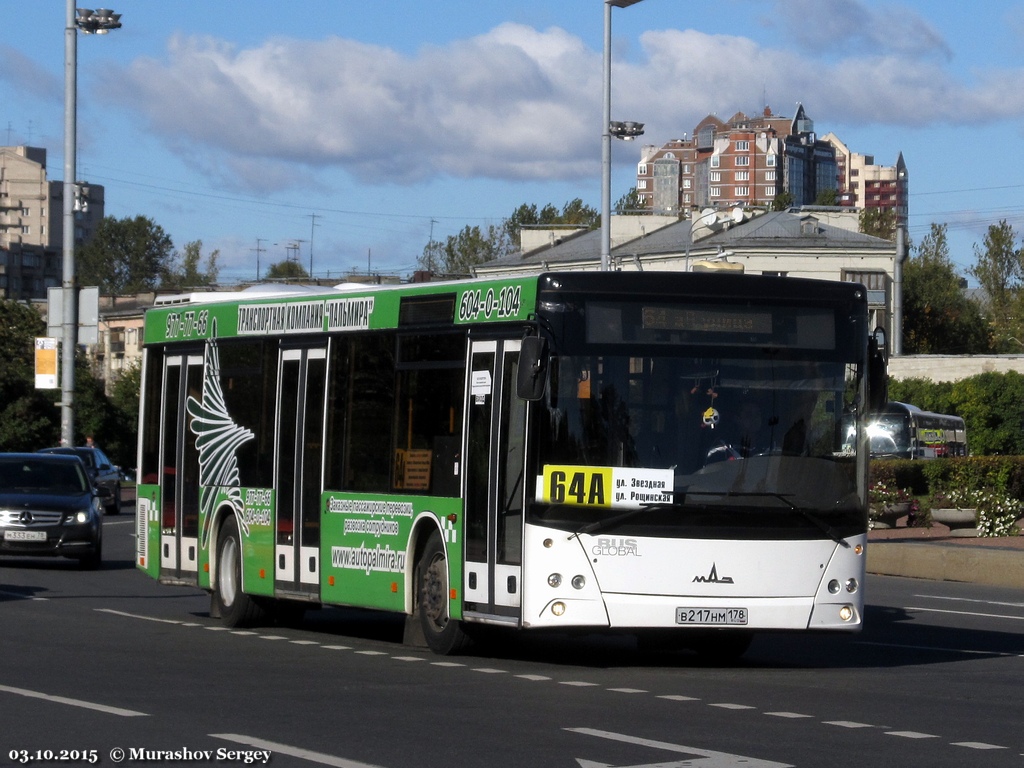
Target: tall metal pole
[606,145]
[897,291]
[626,131]
[69,308]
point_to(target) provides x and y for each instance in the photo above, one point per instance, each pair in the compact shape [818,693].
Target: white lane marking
[790,715]
[20,596]
[73,702]
[911,734]
[677,697]
[716,759]
[851,724]
[976,745]
[628,690]
[534,678]
[577,683]
[408,658]
[140,616]
[726,705]
[935,648]
[970,600]
[965,613]
[287,749]
[446,664]
[489,670]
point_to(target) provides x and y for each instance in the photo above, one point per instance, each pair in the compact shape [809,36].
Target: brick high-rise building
[865,185]
[746,161]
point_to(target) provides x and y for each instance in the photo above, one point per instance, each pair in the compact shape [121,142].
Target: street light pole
[606,135]
[98,22]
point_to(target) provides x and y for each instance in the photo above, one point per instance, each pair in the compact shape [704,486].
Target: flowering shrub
[882,497]
[996,513]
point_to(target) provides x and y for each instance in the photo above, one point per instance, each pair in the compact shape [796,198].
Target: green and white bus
[642,452]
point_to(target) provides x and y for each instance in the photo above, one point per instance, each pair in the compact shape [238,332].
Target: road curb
[947,562]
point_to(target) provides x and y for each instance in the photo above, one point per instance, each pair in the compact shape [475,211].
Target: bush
[994,485]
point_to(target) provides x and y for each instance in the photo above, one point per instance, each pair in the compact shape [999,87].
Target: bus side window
[428,414]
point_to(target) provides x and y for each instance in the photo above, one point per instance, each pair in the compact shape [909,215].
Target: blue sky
[361,129]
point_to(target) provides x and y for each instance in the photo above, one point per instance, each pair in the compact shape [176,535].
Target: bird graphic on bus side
[218,438]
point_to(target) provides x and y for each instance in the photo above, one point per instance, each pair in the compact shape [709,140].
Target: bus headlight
[852,585]
[579,582]
[558,608]
[555,580]
[846,613]
[834,586]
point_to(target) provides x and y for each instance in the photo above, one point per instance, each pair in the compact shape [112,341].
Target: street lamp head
[98,22]
[622,3]
[627,131]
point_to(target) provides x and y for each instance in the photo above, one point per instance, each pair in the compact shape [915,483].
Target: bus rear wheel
[443,634]
[236,608]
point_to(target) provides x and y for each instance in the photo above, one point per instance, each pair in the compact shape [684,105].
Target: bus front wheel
[443,634]
[236,608]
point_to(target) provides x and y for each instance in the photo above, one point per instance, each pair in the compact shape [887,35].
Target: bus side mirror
[878,375]
[533,366]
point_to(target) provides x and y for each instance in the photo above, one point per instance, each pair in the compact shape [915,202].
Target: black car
[102,471]
[49,507]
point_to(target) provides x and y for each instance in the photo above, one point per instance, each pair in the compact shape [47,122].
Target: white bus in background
[904,431]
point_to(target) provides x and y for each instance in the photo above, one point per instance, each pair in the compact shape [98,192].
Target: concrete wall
[952,367]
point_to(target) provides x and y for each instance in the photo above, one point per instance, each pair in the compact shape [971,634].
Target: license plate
[711,616]
[24,535]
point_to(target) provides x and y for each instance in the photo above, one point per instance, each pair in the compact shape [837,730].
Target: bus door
[496,430]
[298,479]
[179,474]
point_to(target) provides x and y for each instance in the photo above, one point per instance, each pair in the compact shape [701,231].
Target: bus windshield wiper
[600,525]
[820,524]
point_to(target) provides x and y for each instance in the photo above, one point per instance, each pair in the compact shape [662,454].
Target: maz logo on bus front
[476,305]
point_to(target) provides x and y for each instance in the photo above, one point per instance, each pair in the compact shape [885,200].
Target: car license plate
[24,535]
[711,616]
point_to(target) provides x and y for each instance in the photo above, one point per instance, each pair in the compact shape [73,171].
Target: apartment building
[865,185]
[744,161]
[31,223]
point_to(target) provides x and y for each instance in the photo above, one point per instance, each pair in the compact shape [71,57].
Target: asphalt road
[95,662]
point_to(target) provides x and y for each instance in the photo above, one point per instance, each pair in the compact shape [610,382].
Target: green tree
[1000,273]
[878,222]
[125,256]
[938,316]
[782,201]
[936,396]
[285,270]
[28,417]
[188,269]
[630,204]
[827,197]
[460,253]
[577,213]
[992,407]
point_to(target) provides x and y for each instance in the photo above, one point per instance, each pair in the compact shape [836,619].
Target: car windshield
[35,475]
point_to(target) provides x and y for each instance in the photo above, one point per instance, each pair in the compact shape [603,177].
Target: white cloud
[520,103]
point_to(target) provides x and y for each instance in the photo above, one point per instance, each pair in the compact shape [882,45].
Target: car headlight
[78,518]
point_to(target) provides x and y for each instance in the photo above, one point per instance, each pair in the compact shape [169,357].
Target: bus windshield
[699,446]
